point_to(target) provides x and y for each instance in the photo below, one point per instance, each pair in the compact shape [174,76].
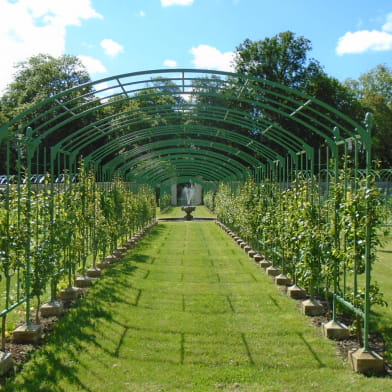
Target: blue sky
[111,37]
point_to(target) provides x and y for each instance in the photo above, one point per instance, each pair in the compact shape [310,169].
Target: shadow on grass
[382,323]
[310,348]
[47,366]
[274,301]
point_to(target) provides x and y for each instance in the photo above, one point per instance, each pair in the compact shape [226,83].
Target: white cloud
[142,13]
[206,56]
[388,24]
[168,3]
[29,27]
[94,66]
[170,63]
[112,48]
[364,40]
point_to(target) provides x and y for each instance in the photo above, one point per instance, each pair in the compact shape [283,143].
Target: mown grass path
[187,310]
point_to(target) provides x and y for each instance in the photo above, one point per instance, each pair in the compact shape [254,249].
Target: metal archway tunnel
[166,125]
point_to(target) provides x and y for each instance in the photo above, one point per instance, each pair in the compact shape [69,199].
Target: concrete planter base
[113,258]
[282,280]
[69,293]
[6,363]
[27,333]
[296,292]
[257,258]
[265,263]
[312,307]
[251,253]
[94,272]
[367,362]
[50,309]
[335,330]
[104,264]
[83,281]
[129,244]
[272,271]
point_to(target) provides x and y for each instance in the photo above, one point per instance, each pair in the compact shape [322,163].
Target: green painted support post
[367,145]
[29,155]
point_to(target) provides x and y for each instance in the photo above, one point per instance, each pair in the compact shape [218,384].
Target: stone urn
[188,210]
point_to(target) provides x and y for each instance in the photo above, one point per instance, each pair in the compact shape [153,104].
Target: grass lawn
[382,316]
[187,310]
[176,212]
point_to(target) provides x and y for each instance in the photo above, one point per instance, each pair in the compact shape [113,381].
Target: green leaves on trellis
[56,228]
[316,236]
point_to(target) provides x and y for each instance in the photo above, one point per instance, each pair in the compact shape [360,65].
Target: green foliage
[164,201]
[209,200]
[37,79]
[374,91]
[56,228]
[281,58]
[322,241]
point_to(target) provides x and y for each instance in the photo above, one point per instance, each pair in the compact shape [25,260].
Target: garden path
[187,310]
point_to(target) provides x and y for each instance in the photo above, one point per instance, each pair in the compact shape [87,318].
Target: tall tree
[39,78]
[282,58]
[374,90]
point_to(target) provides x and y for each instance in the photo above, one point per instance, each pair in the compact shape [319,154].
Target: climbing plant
[320,238]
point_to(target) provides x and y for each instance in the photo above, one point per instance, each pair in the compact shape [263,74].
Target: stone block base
[51,309]
[129,244]
[296,292]
[83,281]
[367,362]
[264,263]
[94,272]
[272,271]
[312,307]
[6,363]
[335,330]
[104,264]
[27,334]
[257,258]
[112,258]
[251,253]
[282,280]
[70,293]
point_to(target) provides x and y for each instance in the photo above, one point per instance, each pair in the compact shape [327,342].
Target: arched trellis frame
[162,126]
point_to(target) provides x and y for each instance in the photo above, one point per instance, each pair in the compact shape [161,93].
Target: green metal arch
[189,145]
[229,170]
[226,108]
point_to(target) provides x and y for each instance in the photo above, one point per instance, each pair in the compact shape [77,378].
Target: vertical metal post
[29,153]
[53,284]
[335,156]
[367,145]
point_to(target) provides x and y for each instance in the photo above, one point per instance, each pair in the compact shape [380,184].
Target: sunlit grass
[382,273]
[178,314]
[176,212]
